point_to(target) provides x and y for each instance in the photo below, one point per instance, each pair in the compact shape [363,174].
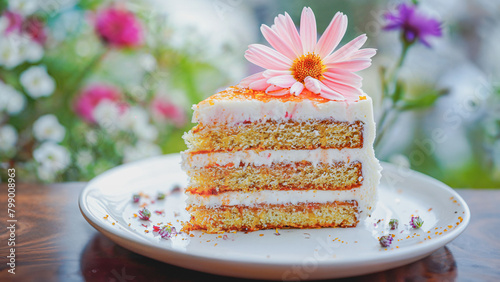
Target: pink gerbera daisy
[299,62]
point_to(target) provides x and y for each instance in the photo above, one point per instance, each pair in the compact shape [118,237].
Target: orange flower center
[307,65]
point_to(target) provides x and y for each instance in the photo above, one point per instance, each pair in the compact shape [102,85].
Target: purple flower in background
[413,24]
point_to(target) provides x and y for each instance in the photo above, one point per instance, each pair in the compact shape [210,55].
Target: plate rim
[403,253]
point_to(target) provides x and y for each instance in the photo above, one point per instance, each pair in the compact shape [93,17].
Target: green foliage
[421,102]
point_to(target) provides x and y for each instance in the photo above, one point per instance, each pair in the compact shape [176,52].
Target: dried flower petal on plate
[386,241]
[416,222]
[393,223]
[136,198]
[144,214]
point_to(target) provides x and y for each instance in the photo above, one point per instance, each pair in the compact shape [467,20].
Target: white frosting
[365,198]
[237,110]
[268,157]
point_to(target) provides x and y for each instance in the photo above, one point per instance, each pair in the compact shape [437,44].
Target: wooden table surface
[55,243]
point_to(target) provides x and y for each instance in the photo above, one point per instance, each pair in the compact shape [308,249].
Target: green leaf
[421,102]
[398,92]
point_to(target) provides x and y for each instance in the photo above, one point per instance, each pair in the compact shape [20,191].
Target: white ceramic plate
[302,254]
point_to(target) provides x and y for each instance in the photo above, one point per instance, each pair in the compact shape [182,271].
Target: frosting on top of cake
[236,93]
[236,105]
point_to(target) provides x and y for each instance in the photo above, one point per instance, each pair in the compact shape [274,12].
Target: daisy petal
[343,76]
[279,92]
[267,58]
[286,30]
[329,93]
[351,65]
[346,50]
[312,84]
[363,53]
[345,90]
[275,40]
[308,33]
[259,84]
[272,73]
[332,35]
[249,79]
[283,81]
[272,88]
[296,88]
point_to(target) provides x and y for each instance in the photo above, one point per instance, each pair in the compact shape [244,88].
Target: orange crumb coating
[274,135]
[238,93]
[303,175]
[265,216]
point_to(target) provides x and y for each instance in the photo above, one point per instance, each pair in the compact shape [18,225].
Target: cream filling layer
[364,196]
[268,157]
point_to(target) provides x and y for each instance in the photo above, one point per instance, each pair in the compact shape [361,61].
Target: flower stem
[390,83]
[395,72]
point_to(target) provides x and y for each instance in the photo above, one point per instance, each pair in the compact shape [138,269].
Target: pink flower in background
[299,61]
[118,27]
[15,22]
[169,111]
[91,96]
[36,29]
[413,24]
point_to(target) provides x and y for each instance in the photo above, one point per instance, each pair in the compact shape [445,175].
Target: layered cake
[289,147]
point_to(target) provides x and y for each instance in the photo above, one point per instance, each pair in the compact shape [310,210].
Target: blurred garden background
[88,85]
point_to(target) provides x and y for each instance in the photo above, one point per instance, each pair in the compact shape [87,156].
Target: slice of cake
[290,147]
[256,161]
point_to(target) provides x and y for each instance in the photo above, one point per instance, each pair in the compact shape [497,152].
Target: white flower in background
[134,117]
[400,160]
[147,132]
[91,137]
[23,7]
[147,62]
[48,128]
[84,158]
[136,120]
[37,82]
[11,101]
[16,48]
[30,50]
[142,149]
[8,138]
[10,57]
[107,115]
[53,157]
[46,173]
